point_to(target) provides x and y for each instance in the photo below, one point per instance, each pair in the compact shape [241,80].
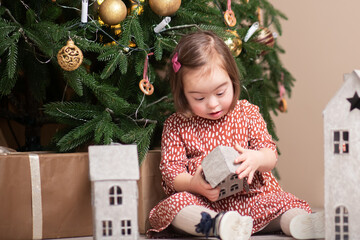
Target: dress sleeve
[258,133]
[173,155]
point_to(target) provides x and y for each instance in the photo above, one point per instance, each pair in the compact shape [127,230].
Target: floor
[257,237]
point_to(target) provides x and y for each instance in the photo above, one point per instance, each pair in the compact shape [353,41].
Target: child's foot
[233,226]
[308,226]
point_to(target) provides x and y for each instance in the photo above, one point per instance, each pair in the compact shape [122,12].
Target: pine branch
[108,53]
[6,28]
[139,62]
[140,136]
[161,44]
[75,81]
[12,56]
[41,43]
[77,136]
[106,94]
[123,63]
[70,143]
[89,45]
[72,110]
[137,32]
[111,65]
[6,83]
[158,50]
[103,129]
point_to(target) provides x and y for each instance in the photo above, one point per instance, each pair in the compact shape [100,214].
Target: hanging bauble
[229,17]
[234,43]
[136,7]
[70,56]
[283,105]
[165,7]
[112,12]
[146,87]
[265,37]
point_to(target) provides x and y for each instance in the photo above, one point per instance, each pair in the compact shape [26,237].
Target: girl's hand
[200,186]
[250,162]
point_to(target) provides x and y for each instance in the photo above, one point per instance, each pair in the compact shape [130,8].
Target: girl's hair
[194,51]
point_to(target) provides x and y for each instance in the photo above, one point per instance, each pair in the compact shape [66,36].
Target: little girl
[205,86]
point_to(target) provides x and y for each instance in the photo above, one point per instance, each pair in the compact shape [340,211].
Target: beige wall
[322,42]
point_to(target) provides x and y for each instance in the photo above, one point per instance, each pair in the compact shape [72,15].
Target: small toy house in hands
[114,171]
[219,170]
[342,160]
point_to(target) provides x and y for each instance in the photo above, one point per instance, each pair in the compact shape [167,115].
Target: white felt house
[342,160]
[114,171]
[219,171]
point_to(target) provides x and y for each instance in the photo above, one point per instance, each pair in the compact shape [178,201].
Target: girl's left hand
[250,161]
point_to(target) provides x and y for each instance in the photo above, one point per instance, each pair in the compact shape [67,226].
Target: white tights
[189,216]
[283,221]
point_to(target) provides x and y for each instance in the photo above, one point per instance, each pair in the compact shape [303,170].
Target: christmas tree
[99,67]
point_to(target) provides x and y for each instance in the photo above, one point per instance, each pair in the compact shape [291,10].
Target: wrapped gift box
[45,196]
[150,189]
[48,195]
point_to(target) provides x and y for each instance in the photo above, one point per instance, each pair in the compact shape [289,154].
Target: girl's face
[209,94]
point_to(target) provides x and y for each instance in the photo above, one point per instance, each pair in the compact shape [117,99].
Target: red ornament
[265,37]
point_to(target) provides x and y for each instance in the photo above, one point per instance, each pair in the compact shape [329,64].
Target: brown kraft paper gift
[53,201]
[150,189]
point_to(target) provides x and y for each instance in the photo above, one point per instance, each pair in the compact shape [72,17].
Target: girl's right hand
[200,186]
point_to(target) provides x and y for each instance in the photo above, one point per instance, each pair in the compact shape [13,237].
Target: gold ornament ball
[70,56]
[112,12]
[234,43]
[165,7]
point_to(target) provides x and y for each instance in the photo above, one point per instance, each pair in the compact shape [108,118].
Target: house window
[234,177]
[115,195]
[125,227]
[107,228]
[341,142]
[222,192]
[341,223]
[234,187]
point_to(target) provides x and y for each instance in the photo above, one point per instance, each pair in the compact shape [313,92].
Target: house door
[341,223]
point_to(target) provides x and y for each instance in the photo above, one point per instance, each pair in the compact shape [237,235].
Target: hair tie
[175,63]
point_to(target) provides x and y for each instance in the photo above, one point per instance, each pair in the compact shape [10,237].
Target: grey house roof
[113,162]
[219,164]
[338,107]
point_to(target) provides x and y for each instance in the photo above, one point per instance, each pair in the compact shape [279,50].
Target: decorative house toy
[219,170]
[114,171]
[342,160]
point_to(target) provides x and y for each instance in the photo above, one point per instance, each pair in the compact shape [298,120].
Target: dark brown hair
[197,50]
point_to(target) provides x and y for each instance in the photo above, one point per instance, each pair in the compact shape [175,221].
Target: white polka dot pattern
[185,143]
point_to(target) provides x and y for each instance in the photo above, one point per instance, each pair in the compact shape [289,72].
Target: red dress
[185,143]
